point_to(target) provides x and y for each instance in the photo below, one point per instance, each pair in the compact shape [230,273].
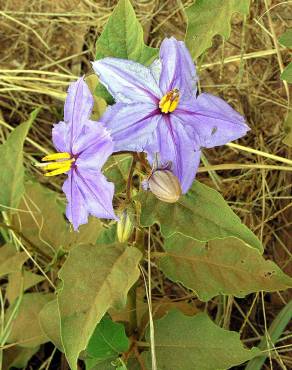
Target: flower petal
[78,106]
[76,210]
[155,68]
[212,120]
[98,193]
[60,135]
[88,193]
[127,81]
[93,147]
[131,125]
[172,143]
[178,70]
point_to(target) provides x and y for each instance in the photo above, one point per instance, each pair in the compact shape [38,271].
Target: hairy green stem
[130,177]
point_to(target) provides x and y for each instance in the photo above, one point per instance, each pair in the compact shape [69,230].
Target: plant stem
[130,178]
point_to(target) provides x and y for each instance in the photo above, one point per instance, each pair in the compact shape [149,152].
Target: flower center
[58,163]
[169,101]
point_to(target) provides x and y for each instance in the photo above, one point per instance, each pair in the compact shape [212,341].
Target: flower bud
[165,186]
[124,226]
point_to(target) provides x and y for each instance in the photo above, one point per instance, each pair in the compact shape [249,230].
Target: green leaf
[122,37]
[287,73]
[108,235]
[17,357]
[201,214]
[286,38]
[99,101]
[221,266]
[95,278]
[196,343]
[117,169]
[49,319]
[276,329]
[15,283]
[43,222]
[108,340]
[25,328]
[94,364]
[206,18]
[11,165]
[288,129]
[101,92]
[107,365]
[10,260]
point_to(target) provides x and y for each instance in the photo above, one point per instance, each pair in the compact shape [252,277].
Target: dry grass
[46,44]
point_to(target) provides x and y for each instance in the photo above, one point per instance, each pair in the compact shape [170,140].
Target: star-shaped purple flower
[83,147]
[157,110]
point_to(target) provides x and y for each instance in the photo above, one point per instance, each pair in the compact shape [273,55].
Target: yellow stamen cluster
[169,101]
[63,163]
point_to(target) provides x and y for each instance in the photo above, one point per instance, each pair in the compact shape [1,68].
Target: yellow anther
[59,171]
[169,101]
[56,156]
[63,163]
[56,165]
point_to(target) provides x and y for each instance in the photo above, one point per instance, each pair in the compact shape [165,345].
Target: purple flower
[157,110]
[82,146]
